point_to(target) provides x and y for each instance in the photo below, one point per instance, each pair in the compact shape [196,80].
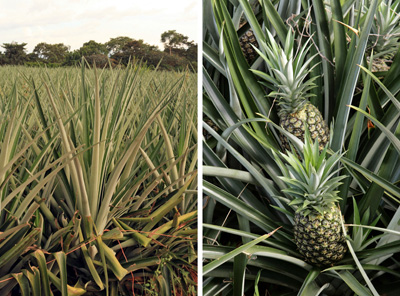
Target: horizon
[75,22]
[71,50]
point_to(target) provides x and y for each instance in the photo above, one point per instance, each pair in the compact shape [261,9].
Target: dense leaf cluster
[98,181]
[249,192]
[179,53]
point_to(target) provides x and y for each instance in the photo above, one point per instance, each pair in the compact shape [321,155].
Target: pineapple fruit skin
[294,123]
[319,238]
[246,41]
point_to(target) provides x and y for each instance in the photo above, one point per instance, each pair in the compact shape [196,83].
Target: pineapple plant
[385,32]
[385,35]
[241,185]
[67,227]
[286,78]
[317,223]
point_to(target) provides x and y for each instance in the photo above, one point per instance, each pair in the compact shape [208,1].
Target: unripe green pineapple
[318,232]
[247,43]
[319,237]
[248,40]
[287,78]
[296,122]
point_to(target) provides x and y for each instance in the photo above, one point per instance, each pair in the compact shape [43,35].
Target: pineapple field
[98,180]
[301,147]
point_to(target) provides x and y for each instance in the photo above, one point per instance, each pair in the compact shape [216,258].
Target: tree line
[179,53]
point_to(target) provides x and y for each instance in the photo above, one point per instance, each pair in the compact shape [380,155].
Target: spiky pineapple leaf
[214,264]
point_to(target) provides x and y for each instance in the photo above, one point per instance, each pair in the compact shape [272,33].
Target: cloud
[74,22]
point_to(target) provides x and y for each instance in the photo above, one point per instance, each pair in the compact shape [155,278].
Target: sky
[74,22]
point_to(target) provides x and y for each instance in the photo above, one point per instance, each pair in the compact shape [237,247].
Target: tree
[52,53]
[190,52]
[2,59]
[116,45]
[72,58]
[92,47]
[137,49]
[173,40]
[14,54]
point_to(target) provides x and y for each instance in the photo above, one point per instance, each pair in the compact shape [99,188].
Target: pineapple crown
[287,73]
[311,182]
[385,29]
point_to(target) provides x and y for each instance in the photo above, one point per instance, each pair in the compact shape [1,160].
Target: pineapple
[247,43]
[286,78]
[317,223]
[248,40]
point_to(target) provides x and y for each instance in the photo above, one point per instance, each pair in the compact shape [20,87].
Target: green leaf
[349,80]
[34,279]
[360,268]
[324,48]
[393,139]
[239,271]
[44,273]
[275,19]
[113,262]
[72,291]
[19,248]
[240,207]
[256,292]
[214,264]
[62,263]
[388,186]
[23,283]
[309,282]
[354,284]
[340,43]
